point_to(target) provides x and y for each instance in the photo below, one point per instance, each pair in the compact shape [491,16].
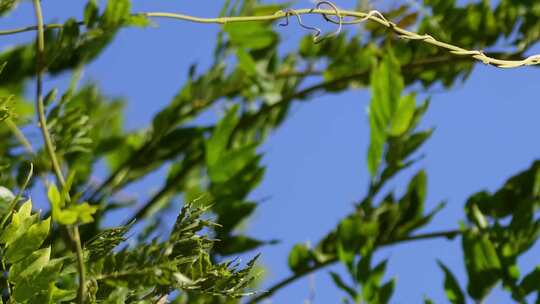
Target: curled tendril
[317,38]
[375,13]
[290,12]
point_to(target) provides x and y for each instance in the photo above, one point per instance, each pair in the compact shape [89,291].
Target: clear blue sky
[316,160]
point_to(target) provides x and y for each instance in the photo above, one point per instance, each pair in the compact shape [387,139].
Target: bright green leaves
[24,234]
[41,288]
[32,272]
[104,242]
[358,234]
[224,163]
[454,294]
[386,87]
[151,270]
[482,263]
[91,13]
[520,193]
[403,116]
[391,116]
[72,213]
[233,167]
[33,263]
[491,248]
[367,282]
[216,146]
[117,13]
[28,241]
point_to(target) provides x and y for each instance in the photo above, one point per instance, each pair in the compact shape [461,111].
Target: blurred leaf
[403,115]
[7,5]
[256,36]
[74,213]
[482,264]
[451,286]
[342,285]
[28,242]
[386,88]
[300,258]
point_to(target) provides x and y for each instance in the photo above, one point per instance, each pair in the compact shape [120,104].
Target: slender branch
[40,67]
[374,16]
[12,126]
[285,282]
[30,28]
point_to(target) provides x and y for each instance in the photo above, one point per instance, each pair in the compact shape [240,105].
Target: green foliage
[254,80]
[451,286]
[147,272]
[387,85]
[367,286]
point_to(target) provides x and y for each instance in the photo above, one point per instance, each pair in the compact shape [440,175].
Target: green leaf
[428,301]
[363,269]
[91,12]
[20,223]
[217,143]
[139,21]
[342,285]
[530,282]
[29,265]
[54,197]
[403,116]
[74,213]
[29,241]
[7,5]
[345,256]
[38,283]
[300,258]
[256,36]
[246,62]
[386,87]
[118,296]
[116,14]
[386,291]
[482,264]
[105,241]
[232,163]
[451,286]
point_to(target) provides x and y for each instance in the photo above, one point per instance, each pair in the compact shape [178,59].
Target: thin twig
[285,282]
[40,67]
[374,16]
[12,126]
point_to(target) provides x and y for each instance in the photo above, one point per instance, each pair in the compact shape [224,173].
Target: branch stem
[450,234]
[49,146]
[373,16]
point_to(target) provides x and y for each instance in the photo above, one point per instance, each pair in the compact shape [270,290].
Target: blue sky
[316,160]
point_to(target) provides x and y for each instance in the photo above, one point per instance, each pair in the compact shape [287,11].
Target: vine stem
[450,234]
[374,16]
[73,231]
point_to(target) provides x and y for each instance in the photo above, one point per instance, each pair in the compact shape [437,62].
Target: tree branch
[285,282]
[40,67]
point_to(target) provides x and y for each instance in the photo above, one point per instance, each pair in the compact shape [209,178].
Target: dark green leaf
[451,286]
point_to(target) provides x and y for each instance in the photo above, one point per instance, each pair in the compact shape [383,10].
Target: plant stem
[12,126]
[373,16]
[285,282]
[40,67]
